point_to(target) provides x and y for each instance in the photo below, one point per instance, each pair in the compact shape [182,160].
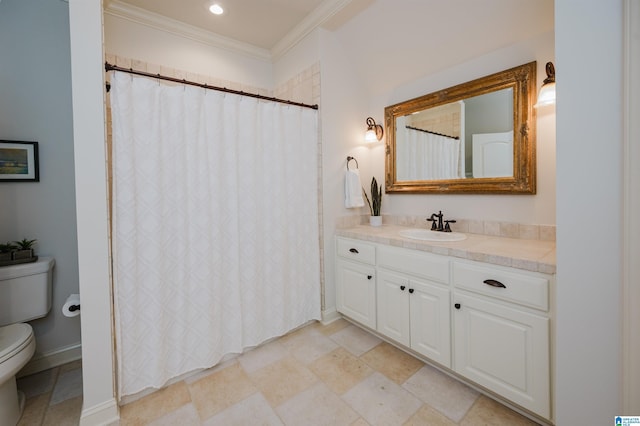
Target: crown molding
[172,26]
[321,14]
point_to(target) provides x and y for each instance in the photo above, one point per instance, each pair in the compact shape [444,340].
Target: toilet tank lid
[43,264]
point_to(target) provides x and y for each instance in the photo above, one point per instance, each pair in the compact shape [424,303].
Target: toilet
[25,294]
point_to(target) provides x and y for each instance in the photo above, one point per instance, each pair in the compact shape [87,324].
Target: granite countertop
[530,255]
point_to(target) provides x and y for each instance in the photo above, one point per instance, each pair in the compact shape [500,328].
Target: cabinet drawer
[356,250]
[424,265]
[519,287]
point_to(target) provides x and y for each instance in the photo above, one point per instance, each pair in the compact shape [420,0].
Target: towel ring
[349,158]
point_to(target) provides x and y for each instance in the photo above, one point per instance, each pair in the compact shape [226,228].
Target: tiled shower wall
[303,87]
[445,121]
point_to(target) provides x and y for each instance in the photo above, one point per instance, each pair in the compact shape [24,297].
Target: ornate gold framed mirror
[476,137]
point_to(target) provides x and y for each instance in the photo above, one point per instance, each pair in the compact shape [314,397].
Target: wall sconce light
[374,131]
[547,95]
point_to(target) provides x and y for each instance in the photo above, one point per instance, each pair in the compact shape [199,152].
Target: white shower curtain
[215,226]
[422,155]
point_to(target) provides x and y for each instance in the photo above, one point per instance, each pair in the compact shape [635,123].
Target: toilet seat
[13,339]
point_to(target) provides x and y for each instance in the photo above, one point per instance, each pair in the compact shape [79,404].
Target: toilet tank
[25,291]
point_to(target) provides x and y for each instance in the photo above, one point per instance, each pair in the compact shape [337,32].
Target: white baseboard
[52,359]
[329,316]
[103,414]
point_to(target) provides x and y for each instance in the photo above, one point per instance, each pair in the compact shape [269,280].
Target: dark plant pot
[23,254]
[5,256]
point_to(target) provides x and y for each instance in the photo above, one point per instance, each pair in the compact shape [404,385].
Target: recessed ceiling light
[216,9]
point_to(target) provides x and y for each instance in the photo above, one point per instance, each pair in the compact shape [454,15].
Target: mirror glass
[475,137]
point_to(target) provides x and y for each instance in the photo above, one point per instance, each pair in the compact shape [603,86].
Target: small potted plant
[375,203]
[23,249]
[5,251]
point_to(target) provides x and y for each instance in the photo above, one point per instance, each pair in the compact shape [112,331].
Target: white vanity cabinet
[413,301]
[487,323]
[356,281]
[501,332]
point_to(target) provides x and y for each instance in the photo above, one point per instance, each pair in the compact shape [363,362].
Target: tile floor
[54,397]
[319,375]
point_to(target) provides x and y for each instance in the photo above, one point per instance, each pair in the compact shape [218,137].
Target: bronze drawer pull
[494,283]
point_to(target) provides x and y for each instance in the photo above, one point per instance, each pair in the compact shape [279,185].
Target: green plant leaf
[368,202]
[376,197]
[9,246]
[25,244]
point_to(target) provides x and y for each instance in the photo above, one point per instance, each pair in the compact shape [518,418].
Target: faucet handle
[447,228]
[434,224]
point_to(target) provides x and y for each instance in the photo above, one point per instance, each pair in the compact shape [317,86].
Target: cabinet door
[430,322]
[504,349]
[393,306]
[356,292]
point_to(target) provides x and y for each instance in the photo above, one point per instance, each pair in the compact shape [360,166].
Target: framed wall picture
[19,161]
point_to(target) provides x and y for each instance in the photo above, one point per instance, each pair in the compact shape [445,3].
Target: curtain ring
[349,158]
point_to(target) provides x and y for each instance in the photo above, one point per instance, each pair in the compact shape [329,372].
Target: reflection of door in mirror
[489,113]
[492,154]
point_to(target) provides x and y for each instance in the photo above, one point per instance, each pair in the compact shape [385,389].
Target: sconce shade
[370,136]
[374,131]
[547,95]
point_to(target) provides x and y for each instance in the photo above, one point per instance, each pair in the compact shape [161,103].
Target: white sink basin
[428,235]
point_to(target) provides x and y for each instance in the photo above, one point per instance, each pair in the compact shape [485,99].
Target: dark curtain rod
[433,133]
[108,67]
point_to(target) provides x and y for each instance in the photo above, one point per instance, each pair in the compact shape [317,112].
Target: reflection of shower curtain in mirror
[425,156]
[215,226]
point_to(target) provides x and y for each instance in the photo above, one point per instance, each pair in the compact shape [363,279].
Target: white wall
[98,394]
[135,41]
[631,270]
[35,105]
[298,58]
[343,114]
[589,130]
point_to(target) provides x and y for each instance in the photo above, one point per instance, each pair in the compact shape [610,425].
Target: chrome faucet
[438,224]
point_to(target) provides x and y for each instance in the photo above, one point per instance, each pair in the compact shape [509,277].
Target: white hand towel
[353,189]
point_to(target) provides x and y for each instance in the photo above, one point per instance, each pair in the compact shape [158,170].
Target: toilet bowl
[25,294]
[17,346]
